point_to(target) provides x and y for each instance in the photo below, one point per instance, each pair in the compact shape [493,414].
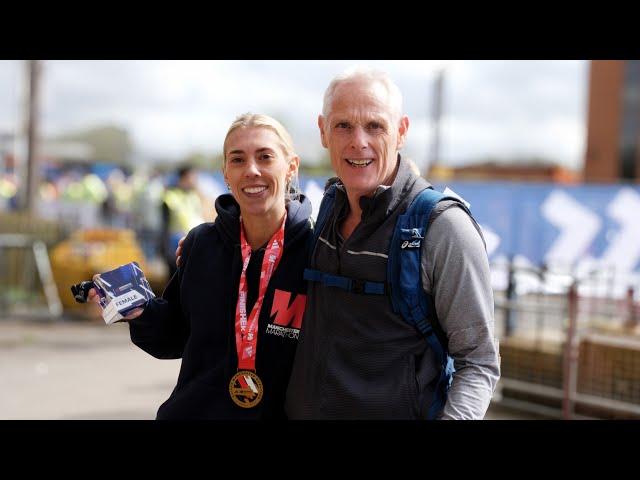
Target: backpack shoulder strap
[404,278]
[403,267]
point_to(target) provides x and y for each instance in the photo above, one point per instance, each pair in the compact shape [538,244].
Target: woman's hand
[95,298]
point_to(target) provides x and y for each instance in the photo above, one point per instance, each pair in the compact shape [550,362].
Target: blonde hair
[259,120]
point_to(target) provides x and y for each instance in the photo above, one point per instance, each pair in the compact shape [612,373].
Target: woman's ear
[294,165]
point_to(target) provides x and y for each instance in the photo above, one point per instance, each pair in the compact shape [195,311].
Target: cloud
[172,108]
[11,77]
[514,109]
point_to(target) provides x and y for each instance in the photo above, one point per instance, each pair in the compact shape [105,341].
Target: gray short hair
[370,75]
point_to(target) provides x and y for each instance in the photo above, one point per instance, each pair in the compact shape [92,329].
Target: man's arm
[455,270]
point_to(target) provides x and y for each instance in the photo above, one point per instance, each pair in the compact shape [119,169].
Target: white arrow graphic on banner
[577,224]
[623,251]
[491,238]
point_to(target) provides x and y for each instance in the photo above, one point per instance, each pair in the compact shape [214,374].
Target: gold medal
[245,389]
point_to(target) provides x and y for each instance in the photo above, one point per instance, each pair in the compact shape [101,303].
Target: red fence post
[570,356]
[632,315]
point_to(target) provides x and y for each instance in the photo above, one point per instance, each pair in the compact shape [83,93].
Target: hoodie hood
[228,219]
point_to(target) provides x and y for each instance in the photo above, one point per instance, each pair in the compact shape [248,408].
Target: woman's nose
[252,170]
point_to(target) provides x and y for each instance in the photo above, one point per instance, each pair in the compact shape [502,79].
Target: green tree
[111,144]
[203,161]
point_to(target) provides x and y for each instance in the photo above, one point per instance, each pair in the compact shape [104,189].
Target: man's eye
[266,156]
[342,125]
[375,126]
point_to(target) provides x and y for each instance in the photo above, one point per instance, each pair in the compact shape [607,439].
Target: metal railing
[18,285]
[569,348]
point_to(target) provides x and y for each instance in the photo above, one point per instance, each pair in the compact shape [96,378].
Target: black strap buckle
[80,290]
[357,286]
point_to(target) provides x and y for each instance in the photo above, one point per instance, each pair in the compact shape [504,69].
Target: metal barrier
[18,252]
[567,354]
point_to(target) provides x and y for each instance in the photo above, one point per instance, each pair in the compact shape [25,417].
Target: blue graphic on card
[123,289]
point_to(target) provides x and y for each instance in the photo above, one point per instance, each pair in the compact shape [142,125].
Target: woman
[233,310]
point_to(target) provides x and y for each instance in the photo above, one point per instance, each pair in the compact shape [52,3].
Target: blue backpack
[404,281]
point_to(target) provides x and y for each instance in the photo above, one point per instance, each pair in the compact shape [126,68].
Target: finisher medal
[245,389]
[245,386]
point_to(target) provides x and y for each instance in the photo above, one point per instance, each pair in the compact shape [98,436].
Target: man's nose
[359,138]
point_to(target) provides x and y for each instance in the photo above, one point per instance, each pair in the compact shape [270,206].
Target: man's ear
[323,137]
[403,128]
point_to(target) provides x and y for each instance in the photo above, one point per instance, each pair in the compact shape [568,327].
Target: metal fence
[26,281]
[569,347]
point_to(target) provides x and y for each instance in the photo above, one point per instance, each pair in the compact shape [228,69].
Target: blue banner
[545,223]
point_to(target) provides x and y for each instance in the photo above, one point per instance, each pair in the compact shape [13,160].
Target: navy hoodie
[195,317]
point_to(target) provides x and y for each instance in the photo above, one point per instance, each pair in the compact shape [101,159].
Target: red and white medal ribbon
[247,327]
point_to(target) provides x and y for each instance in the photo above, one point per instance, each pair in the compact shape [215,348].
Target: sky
[503,109]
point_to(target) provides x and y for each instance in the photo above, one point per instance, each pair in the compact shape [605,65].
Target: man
[181,210]
[356,358]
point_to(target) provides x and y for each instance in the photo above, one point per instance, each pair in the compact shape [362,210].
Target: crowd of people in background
[144,200]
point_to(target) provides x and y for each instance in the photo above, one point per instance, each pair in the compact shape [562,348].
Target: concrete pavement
[86,370]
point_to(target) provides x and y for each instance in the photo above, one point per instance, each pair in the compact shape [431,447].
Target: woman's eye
[235,160]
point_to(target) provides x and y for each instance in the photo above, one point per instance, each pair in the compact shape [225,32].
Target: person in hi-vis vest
[181,211]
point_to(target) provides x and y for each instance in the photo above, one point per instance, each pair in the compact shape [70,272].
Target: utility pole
[32,170]
[436,114]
